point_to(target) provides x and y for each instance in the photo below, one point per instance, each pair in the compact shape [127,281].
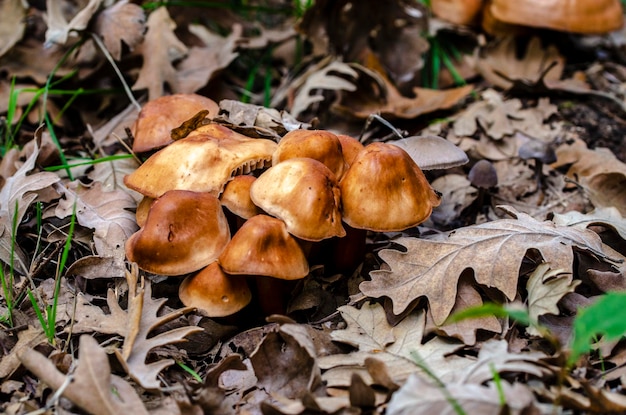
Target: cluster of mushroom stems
[226,211]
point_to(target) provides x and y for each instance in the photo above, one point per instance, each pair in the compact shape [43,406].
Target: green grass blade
[89,162]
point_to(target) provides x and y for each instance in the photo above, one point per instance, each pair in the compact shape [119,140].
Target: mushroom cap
[303,193]
[462,12]
[538,150]
[158,117]
[214,292]
[432,152]
[200,162]
[578,16]
[143,207]
[384,190]
[350,147]
[483,174]
[184,231]
[236,196]
[262,246]
[319,145]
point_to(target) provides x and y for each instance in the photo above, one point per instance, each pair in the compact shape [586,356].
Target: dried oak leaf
[107,212]
[545,288]
[598,171]
[422,396]
[159,49]
[609,217]
[12,23]
[401,350]
[376,94]
[91,318]
[493,250]
[18,193]
[122,22]
[143,318]
[30,338]
[59,28]
[93,388]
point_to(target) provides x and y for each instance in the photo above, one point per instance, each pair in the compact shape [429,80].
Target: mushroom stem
[346,253]
[273,294]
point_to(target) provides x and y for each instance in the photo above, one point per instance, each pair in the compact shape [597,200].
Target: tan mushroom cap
[262,246]
[462,12]
[384,190]
[303,193]
[184,231]
[143,208]
[319,145]
[214,292]
[350,147]
[236,197]
[578,16]
[201,163]
[158,117]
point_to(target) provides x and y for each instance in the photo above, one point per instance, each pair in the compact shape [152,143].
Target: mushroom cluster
[220,208]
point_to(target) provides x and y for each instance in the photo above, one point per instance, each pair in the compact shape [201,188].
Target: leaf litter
[124,342]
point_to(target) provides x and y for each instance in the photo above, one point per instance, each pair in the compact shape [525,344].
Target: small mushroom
[542,153]
[577,16]
[304,194]
[236,199]
[384,190]
[482,176]
[463,12]
[201,162]
[263,248]
[319,145]
[183,232]
[214,292]
[350,147]
[156,120]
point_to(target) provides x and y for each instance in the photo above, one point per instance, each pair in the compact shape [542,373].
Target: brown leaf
[494,251]
[58,28]
[501,58]
[93,388]
[30,338]
[160,48]
[545,288]
[17,194]
[143,318]
[91,318]
[419,396]
[122,22]
[202,63]
[284,363]
[12,24]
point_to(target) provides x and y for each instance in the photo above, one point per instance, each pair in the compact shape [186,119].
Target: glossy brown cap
[201,162]
[184,231]
[463,12]
[153,127]
[578,16]
[384,190]
[303,193]
[236,197]
[319,145]
[214,292]
[262,246]
[350,147]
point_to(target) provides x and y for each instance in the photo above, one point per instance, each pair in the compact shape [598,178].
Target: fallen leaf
[108,213]
[545,288]
[493,250]
[91,318]
[202,63]
[457,194]
[17,194]
[30,338]
[92,387]
[12,24]
[325,78]
[121,22]
[501,58]
[609,217]
[58,28]
[418,395]
[159,49]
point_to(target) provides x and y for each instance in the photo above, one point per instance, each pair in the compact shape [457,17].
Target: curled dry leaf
[12,24]
[160,48]
[58,28]
[121,22]
[93,388]
[493,250]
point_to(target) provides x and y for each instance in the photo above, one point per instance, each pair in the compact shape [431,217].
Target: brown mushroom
[463,12]
[214,292]
[201,162]
[384,190]
[143,207]
[152,129]
[236,197]
[184,232]
[303,193]
[578,16]
[319,145]
[263,248]
[350,147]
